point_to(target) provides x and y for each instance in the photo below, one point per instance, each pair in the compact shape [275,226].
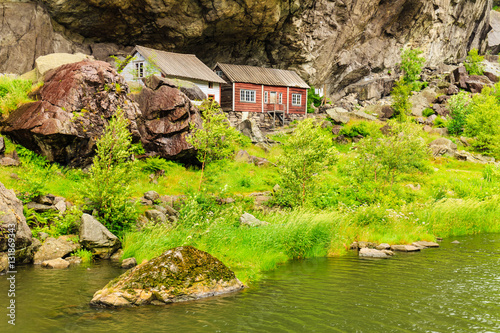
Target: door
[273,97]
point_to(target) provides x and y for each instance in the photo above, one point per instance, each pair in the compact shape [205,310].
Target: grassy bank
[441,197]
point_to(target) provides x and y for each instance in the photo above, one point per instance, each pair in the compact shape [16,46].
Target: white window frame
[140,67]
[219,72]
[297,99]
[266,97]
[248,96]
[280,98]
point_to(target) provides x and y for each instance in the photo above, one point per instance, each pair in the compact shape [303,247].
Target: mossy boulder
[180,274]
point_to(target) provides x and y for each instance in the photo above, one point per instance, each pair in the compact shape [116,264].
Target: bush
[482,123]
[383,158]
[313,98]
[473,63]
[428,112]
[108,186]
[439,122]
[13,92]
[460,106]
[305,155]
[491,173]
[401,100]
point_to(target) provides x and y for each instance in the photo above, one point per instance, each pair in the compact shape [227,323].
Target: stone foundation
[264,120]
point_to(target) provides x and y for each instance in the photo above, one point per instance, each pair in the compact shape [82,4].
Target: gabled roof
[177,64]
[261,75]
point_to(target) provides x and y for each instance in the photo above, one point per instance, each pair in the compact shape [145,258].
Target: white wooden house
[175,66]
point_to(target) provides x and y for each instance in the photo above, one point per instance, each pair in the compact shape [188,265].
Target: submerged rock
[180,274]
[129,263]
[58,263]
[373,253]
[425,244]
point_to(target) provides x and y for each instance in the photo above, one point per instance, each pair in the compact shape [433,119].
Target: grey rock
[455,242]
[422,100]
[242,156]
[48,199]
[452,90]
[2,145]
[156,216]
[442,146]
[40,208]
[152,196]
[55,263]
[383,246]
[43,235]
[54,248]
[362,115]
[129,263]
[405,248]
[494,34]
[4,262]
[336,129]
[12,218]
[9,161]
[338,115]
[61,206]
[425,244]
[440,131]
[372,253]
[250,129]
[73,260]
[97,238]
[117,256]
[251,221]
[276,188]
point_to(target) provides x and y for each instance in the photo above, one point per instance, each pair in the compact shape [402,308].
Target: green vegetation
[459,105]
[305,154]
[401,100]
[411,65]
[365,196]
[428,112]
[314,99]
[108,185]
[83,254]
[13,92]
[473,63]
[216,139]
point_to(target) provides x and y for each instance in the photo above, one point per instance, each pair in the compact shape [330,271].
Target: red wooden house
[265,90]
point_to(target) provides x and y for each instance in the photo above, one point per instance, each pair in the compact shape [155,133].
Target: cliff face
[337,42]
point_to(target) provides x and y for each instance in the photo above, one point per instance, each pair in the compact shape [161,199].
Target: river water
[455,288]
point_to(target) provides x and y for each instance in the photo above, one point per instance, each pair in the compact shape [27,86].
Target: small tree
[411,65]
[307,152]
[474,63]
[401,100]
[460,106]
[216,139]
[108,185]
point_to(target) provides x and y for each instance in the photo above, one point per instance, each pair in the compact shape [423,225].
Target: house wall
[302,109]
[128,71]
[277,107]
[226,98]
[246,106]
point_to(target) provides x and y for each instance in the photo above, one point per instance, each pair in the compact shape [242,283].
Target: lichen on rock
[180,274]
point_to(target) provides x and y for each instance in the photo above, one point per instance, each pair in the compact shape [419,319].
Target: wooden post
[324,94]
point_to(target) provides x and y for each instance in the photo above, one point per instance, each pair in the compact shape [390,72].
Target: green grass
[13,92]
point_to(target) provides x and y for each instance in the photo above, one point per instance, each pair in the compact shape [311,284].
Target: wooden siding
[278,90]
[246,106]
[226,95]
[298,109]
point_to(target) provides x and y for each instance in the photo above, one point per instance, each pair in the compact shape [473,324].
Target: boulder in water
[95,237]
[180,274]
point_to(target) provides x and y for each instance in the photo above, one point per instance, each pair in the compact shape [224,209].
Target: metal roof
[261,75]
[177,64]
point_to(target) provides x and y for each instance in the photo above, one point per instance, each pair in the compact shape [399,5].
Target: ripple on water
[452,289]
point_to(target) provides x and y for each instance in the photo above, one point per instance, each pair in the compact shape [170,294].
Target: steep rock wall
[337,42]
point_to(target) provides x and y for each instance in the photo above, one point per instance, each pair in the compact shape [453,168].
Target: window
[247,96]
[210,85]
[211,97]
[219,73]
[266,97]
[296,99]
[280,99]
[139,69]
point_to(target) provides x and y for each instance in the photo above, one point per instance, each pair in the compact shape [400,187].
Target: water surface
[452,289]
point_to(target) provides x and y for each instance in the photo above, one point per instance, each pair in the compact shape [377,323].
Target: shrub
[108,186]
[383,158]
[401,100]
[85,255]
[482,123]
[439,122]
[473,63]
[411,65]
[313,98]
[491,173]
[13,92]
[460,106]
[305,155]
[428,112]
